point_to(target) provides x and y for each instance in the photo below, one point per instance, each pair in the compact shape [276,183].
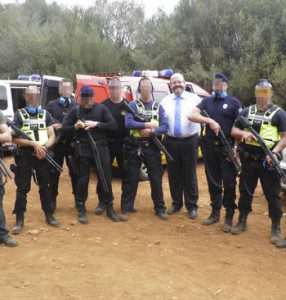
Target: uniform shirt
[131,124]
[177,110]
[278,120]
[58,110]
[223,111]
[98,113]
[118,114]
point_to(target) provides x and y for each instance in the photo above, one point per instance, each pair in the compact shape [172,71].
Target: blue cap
[86,91]
[221,76]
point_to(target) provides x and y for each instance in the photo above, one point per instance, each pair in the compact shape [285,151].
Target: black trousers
[116,149]
[152,159]
[61,153]
[221,176]
[3,229]
[85,163]
[252,171]
[182,171]
[23,175]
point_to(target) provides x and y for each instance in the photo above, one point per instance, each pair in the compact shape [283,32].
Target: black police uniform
[219,171]
[117,137]
[83,151]
[63,149]
[254,168]
[25,163]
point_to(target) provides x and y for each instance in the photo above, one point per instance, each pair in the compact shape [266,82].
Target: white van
[12,95]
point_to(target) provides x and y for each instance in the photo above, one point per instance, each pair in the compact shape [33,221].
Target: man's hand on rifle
[215,127]
[79,125]
[248,136]
[149,125]
[146,132]
[40,151]
[57,126]
[276,155]
[90,124]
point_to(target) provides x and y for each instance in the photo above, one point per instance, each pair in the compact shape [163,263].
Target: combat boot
[8,241]
[111,214]
[162,215]
[275,231]
[100,209]
[51,220]
[281,244]
[19,224]
[241,224]
[228,221]
[213,218]
[81,212]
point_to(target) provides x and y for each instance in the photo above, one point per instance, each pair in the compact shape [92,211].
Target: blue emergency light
[166,73]
[23,77]
[137,73]
[35,77]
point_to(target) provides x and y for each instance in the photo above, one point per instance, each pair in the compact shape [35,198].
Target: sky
[151,6]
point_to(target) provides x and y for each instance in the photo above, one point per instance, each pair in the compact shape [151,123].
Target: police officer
[270,122]
[140,148]
[96,119]
[116,138]
[5,238]
[37,123]
[63,150]
[221,176]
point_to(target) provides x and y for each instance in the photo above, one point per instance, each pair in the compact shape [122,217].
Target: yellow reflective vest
[35,126]
[262,123]
[151,113]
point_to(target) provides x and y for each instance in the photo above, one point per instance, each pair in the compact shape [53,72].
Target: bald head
[177,84]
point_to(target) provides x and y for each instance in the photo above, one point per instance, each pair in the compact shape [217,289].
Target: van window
[3,98]
[18,98]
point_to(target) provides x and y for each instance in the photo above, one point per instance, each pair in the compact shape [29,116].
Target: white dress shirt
[188,102]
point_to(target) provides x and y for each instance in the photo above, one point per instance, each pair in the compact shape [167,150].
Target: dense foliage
[245,39]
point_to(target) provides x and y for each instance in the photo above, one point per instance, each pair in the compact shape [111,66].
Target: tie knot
[178,98]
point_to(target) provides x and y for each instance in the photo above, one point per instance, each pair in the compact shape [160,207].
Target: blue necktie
[177,122]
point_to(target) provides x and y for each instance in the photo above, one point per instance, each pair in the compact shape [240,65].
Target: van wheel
[143,175]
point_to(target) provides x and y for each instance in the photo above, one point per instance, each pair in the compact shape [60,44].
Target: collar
[183,96]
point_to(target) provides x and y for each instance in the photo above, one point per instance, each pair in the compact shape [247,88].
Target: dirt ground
[144,258]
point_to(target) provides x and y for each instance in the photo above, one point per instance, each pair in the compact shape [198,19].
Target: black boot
[241,224]
[213,218]
[19,224]
[81,212]
[51,220]
[275,231]
[100,209]
[111,214]
[281,244]
[8,241]
[228,221]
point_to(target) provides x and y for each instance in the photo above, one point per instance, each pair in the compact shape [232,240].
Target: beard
[178,91]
